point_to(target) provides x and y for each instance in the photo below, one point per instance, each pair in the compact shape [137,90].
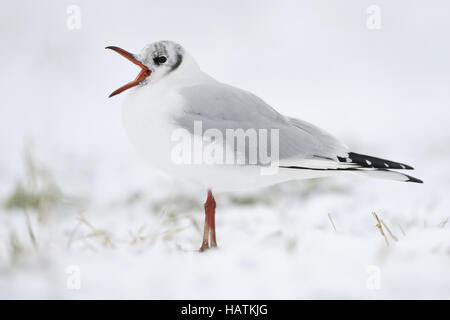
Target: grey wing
[222,107]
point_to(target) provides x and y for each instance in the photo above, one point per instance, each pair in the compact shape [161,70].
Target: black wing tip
[412,179]
[406,166]
[366,161]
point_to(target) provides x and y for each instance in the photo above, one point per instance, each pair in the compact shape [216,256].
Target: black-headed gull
[225,138]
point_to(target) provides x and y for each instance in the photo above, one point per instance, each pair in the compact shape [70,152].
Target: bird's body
[177,103]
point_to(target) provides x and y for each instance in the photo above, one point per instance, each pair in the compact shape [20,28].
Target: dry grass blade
[380,227]
[389,231]
[138,236]
[332,222]
[30,230]
[72,234]
[443,223]
[401,229]
[95,233]
[107,242]
[168,234]
[195,224]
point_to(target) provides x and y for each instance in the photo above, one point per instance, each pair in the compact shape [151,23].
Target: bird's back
[223,107]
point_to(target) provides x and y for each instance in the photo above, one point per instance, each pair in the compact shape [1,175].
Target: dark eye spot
[159,60]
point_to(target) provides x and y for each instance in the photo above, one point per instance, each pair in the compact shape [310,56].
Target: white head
[157,60]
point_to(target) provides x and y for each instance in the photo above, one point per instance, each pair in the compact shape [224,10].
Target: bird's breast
[146,117]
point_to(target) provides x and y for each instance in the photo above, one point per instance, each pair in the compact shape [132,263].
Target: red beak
[145,72]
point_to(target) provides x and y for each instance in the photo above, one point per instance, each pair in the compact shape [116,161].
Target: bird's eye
[159,60]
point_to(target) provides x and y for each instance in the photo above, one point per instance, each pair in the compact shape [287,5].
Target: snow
[133,232]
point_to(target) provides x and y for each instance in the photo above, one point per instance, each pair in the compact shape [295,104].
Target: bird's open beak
[145,72]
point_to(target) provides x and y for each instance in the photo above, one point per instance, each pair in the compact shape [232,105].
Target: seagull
[188,124]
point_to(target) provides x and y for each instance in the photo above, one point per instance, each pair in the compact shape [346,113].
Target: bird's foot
[204,247]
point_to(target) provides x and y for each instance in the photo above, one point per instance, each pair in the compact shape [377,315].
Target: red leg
[212,230]
[209,232]
[205,242]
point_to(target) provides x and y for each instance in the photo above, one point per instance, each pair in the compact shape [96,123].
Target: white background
[384,92]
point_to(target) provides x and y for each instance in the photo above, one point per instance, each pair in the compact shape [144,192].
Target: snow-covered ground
[83,216]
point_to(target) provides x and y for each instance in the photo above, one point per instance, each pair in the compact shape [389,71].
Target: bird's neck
[187,74]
